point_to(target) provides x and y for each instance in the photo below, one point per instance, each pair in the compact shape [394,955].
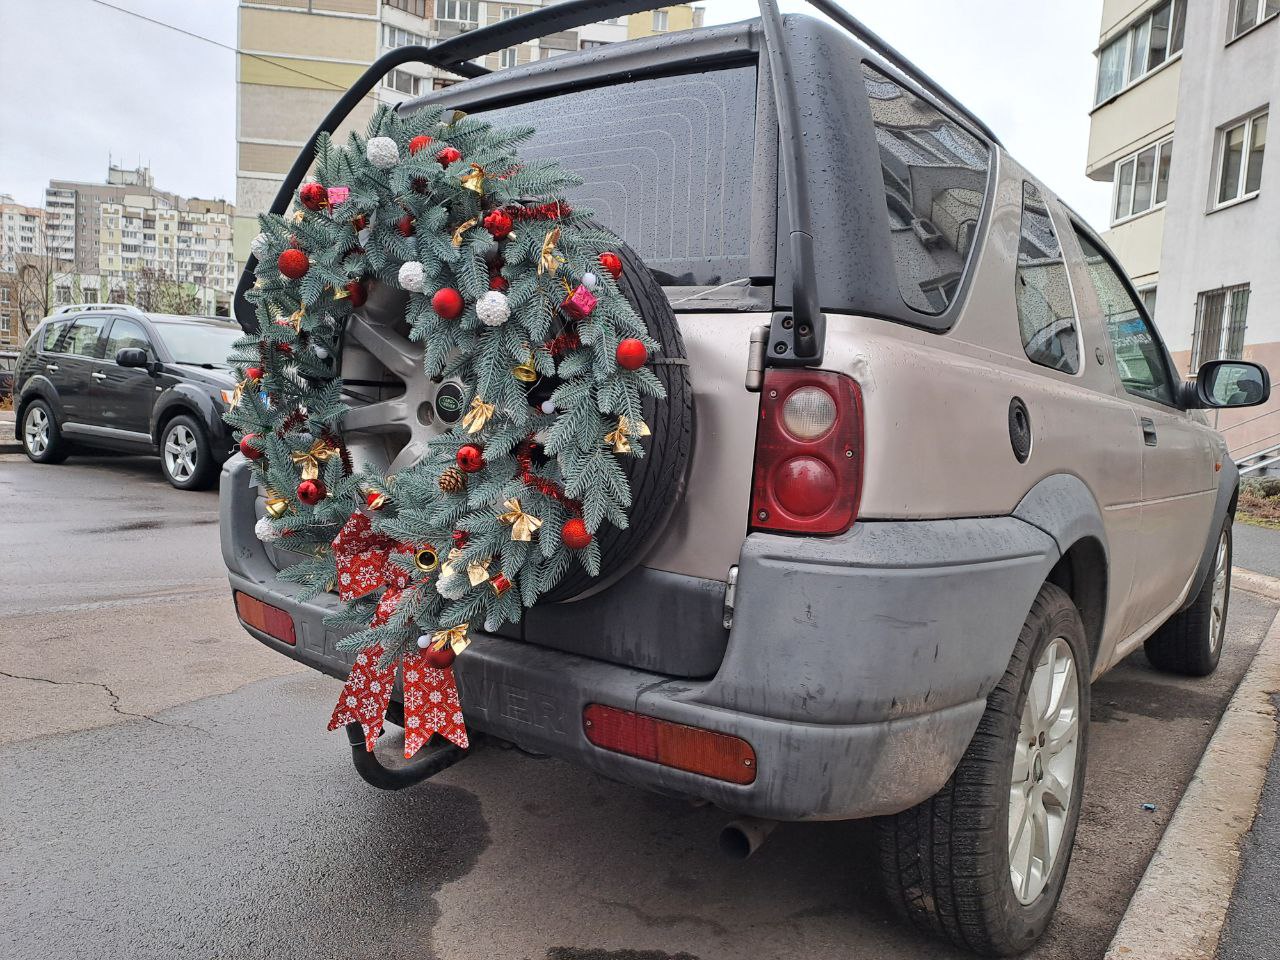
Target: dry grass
[1260,502]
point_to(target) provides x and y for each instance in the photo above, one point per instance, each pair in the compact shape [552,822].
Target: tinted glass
[1139,356]
[126,333]
[83,338]
[666,164]
[199,343]
[935,181]
[52,333]
[1046,315]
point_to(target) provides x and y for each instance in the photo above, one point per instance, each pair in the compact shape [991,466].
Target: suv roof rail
[85,307]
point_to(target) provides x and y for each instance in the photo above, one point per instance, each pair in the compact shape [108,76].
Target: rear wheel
[185,456]
[983,862]
[41,437]
[1191,642]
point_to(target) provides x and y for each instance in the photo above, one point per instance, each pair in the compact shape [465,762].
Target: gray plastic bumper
[857,668]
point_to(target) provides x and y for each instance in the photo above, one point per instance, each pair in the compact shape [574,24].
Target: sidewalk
[8,442]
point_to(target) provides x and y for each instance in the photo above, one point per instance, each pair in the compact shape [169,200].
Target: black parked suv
[111,377]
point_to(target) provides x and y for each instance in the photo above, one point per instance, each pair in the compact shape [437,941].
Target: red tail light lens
[677,745]
[808,471]
[262,616]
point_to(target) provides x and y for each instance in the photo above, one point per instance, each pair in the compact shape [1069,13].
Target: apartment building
[21,241]
[1179,128]
[298,56]
[102,235]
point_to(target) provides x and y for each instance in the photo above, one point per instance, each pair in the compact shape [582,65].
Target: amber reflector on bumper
[704,752]
[262,616]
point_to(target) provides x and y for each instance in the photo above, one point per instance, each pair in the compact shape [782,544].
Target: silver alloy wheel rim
[180,452]
[1044,771]
[1221,577]
[36,431]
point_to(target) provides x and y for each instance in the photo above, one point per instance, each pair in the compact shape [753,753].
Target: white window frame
[1219,143]
[660,21]
[454,10]
[1260,16]
[508,12]
[1230,295]
[508,58]
[1126,37]
[1161,147]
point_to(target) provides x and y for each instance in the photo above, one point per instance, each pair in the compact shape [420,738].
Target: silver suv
[934,474]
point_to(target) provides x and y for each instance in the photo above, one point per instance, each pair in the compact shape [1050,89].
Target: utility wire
[224,46]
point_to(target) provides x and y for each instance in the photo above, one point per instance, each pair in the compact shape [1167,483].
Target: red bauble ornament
[500,583]
[418,142]
[293,263]
[498,282]
[360,222]
[460,538]
[632,354]
[312,492]
[611,262]
[285,349]
[405,225]
[441,659]
[447,303]
[498,223]
[248,449]
[449,155]
[470,458]
[356,291]
[374,500]
[313,196]
[574,534]
[253,373]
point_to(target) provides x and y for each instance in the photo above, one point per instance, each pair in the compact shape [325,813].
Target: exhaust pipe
[741,838]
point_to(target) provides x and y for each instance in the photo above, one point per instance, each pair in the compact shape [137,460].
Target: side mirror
[131,357]
[1231,383]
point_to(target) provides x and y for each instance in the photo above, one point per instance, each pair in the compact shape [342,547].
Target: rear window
[666,164]
[52,333]
[935,180]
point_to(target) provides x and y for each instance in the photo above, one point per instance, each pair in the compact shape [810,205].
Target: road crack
[114,703]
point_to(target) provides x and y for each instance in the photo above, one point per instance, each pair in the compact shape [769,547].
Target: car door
[79,356]
[123,396]
[1178,460]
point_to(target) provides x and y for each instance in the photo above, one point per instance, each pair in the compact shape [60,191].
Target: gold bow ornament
[548,260]
[455,638]
[462,228]
[523,525]
[478,415]
[475,179]
[309,460]
[477,570]
[620,438]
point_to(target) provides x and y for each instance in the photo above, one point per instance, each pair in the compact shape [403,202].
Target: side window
[52,335]
[83,338]
[1139,357]
[935,182]
[126,333]
[1046,315]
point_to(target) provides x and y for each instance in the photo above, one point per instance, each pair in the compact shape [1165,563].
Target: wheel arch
[176,402]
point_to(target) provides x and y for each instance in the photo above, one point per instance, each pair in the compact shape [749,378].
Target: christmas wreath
[510,291]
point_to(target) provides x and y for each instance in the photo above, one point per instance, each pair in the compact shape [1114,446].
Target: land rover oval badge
[449,402]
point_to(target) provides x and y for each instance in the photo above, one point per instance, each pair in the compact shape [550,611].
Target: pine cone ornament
[453,480]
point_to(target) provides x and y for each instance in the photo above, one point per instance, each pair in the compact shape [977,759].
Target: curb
[1179,908]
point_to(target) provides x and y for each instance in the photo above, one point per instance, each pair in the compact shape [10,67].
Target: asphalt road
[168,789]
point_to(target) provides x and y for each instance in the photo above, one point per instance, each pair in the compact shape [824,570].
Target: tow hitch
[437,755]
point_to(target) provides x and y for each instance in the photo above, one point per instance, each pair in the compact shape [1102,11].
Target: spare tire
[395,410]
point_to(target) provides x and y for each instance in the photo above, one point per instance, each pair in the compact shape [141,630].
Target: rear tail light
[808,470]
[262,616]
[676,745]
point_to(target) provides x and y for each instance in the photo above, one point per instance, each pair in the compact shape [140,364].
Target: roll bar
[806,335]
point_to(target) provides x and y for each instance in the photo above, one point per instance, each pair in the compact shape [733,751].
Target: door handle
[51,367]
[1148,432]
[99,375]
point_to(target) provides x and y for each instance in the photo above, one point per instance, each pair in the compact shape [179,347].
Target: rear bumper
[857,668]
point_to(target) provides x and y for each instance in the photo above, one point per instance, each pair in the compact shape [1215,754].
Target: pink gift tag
[338,195]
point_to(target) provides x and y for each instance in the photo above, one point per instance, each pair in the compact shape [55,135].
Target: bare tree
[158,292]
[37,275]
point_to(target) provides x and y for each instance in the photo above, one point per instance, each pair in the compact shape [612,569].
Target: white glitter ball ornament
[548,406]
[264,531]
[259,245]
[493,309]
[590,280]
[382,152]
[410,276]
[424,641]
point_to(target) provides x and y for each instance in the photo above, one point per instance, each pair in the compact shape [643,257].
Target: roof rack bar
[873,39]
[85,307]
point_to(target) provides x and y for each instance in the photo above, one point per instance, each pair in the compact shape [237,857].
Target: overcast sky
[80,82]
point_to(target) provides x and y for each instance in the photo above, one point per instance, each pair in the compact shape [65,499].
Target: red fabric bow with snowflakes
[431,705]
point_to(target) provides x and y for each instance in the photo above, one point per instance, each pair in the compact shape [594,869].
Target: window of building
[1148,297]
[1220,323]
[592,44]
[1147,44]
[397,80]
[659,21]
[507,58]
[1247,14]
[509,12]
[393,37]
[1142,180]
[1046,313]
[5,329]
[417,7]
[1240,150]
[464,11]
[1140,359]
[935,178]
